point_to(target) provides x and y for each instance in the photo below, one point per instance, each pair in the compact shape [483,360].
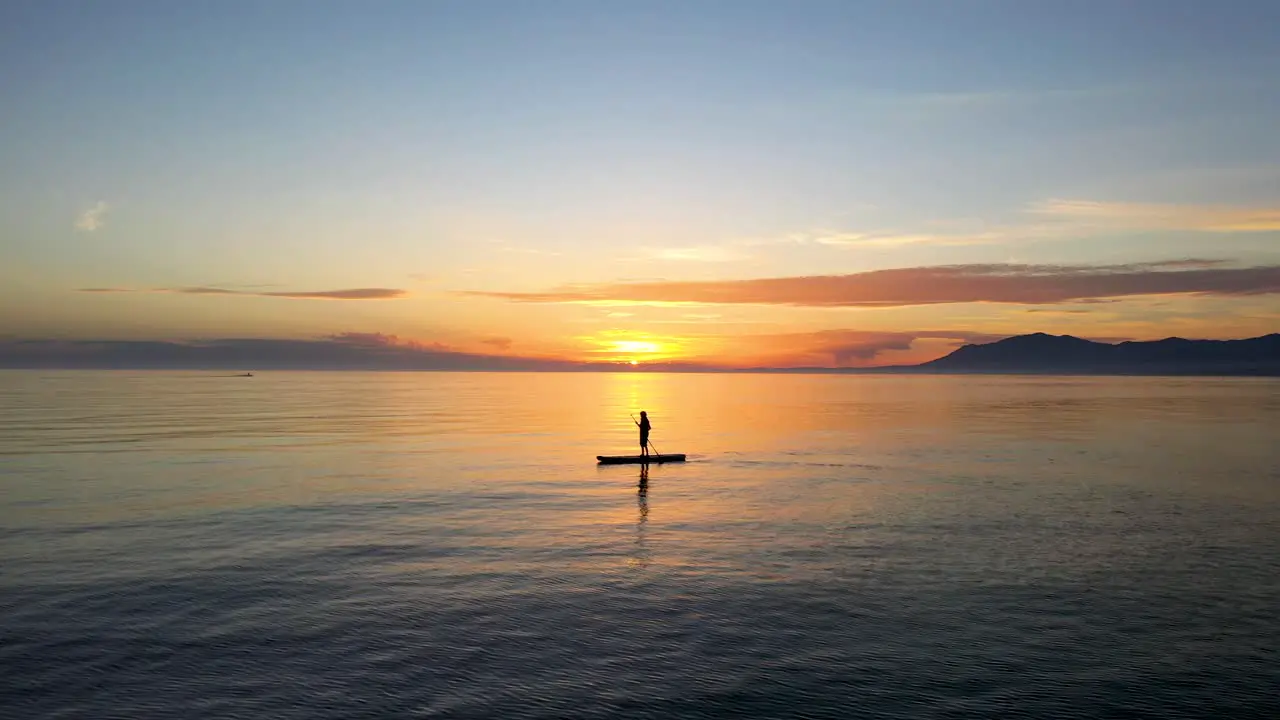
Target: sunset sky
[728,182]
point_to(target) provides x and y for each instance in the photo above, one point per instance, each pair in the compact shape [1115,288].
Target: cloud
[1157,216]
[201,291]
[1053,219]
[700,253]
[994,283]
[366,339]
[893,238]
[344,351]
[845,348]
[381,340]
[351,294]
[503,247]
[1000,98]
[883,239]
[501,343]
[834,348]
[94,218]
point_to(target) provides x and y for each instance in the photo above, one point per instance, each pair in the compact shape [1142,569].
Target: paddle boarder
[644,433]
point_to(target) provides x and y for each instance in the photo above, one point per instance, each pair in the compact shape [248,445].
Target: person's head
[643,415]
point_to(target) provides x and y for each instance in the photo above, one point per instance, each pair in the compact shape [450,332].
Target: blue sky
[519,146]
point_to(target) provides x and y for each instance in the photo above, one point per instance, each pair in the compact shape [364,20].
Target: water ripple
[397,545]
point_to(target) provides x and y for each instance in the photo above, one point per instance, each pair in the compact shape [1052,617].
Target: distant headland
[1066,354]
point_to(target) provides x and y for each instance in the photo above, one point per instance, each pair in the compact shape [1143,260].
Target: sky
[714,182]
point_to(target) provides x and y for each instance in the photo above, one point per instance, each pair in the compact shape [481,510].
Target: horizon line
[305,355]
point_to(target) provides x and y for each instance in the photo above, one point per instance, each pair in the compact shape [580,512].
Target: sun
[635,346]
[632,351]
[624,347]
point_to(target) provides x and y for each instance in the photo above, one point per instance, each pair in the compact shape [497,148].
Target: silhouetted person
[644,434]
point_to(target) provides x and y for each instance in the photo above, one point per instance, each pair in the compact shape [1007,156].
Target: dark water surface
[349,545]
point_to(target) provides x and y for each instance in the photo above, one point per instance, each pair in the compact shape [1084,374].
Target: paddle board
[638,459]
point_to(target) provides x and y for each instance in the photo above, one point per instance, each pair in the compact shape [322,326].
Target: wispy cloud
[344,351]
[523,250]
[1049,220]
[1000,98]
[351,294]
[994,283]
[94,218]
[849,348]
[382,340]
[887,238]
[846,347]
[852,347]
[346,294]
[1157,216]
[882,239]
[700,253]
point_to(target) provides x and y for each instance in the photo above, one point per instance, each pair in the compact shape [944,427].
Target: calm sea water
[352,545]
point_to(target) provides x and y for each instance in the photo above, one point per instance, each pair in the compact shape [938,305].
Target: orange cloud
[349,294]
[842,348]
[1206,218]
[382,340]
[345,351]
[1009,283]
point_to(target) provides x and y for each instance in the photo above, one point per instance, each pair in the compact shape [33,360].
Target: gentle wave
[344,545]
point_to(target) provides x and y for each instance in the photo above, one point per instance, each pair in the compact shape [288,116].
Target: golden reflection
[642,557]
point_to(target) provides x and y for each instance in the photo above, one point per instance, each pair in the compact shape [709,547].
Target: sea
[318,545]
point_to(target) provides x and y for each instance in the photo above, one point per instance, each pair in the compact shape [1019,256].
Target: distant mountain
[1041,353]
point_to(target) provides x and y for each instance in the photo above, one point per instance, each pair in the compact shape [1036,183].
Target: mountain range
[1066,354]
